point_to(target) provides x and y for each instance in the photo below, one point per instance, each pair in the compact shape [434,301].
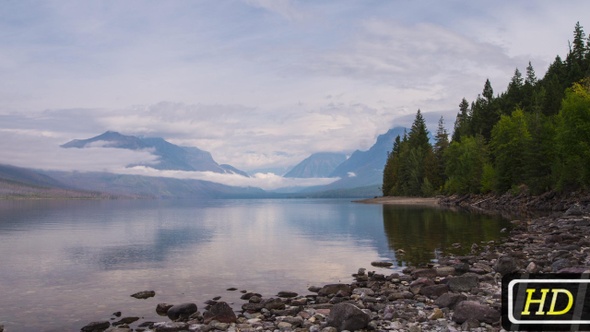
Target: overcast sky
[258,83]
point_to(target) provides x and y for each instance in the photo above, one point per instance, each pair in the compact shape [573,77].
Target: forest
[533,138]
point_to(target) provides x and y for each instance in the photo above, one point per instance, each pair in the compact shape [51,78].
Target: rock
[467,310]
[470,324]
[506,264]
[436,314]
[434,290]
[284,325]
[144,294]
[381,264]
[461,267]
[417,284]
[532,268]
[424,273]
[170,326]
[248,295]
[97,326]
[252,307]
[181,311]
[220,312]
[346,316]
[444,271]
[126,320]
[449,300]
[231,289]
[162,308]
[274,304]
[560,264]
[334,289]
[462,283]
[124,328]
[314,289]
[361,290]
[287,294]
[574,210]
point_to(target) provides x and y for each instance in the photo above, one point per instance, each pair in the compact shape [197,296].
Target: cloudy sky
[258,83]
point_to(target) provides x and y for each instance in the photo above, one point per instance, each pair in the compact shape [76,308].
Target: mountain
[153,187]
[318,165]
[17,182]
[171,156]
[362,163]
[362,171]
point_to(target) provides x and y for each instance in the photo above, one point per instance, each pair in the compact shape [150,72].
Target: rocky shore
[457,293]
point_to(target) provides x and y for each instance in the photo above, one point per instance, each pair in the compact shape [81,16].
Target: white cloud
[41,150]
[261,83]
[267,181]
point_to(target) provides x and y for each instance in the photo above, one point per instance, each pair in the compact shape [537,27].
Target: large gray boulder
[346,316]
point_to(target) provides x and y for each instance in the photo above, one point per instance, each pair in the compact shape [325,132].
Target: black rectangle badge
[546,302]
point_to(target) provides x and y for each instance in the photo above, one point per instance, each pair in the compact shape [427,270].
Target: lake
[64,264]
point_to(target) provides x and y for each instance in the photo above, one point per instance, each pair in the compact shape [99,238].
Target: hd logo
[546,302]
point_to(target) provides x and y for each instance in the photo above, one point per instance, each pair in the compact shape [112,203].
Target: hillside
[318,165]
[17,182]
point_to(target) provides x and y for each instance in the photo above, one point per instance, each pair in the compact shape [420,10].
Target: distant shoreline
[390,200]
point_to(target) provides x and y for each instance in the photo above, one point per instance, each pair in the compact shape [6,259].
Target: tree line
[533,137]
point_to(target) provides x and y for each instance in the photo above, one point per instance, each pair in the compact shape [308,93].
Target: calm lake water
[64,264]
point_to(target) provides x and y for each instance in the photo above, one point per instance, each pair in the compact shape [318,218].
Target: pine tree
[514,93]
[484,112]
[462,122]
[440,147]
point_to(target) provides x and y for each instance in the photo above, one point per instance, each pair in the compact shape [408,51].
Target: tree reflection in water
[422,234]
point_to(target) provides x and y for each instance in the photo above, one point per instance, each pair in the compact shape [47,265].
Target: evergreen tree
[440,147]
[514,93]
[531,77]
[509,143]
[391,168]
[462,122]
[484,112]
[554,84]
[540,155]
[465,164]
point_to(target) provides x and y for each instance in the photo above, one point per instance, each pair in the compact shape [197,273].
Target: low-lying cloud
[266,181]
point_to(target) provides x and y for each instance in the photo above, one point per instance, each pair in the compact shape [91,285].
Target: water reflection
[422,233]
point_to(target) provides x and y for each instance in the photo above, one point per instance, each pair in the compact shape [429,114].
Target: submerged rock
[181,311]
[97,326]
[144,294]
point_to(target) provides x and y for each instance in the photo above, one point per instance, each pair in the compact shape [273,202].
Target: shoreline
[397,200]
[455,293]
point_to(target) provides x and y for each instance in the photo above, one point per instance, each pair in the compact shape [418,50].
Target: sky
[261,84]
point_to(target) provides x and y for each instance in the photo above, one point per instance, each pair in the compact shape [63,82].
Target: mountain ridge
[170,156]
[317,165]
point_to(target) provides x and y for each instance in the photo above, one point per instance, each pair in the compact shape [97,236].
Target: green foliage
[573,138]
[534,137]
[464,168]
[509,143]
[411,167]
